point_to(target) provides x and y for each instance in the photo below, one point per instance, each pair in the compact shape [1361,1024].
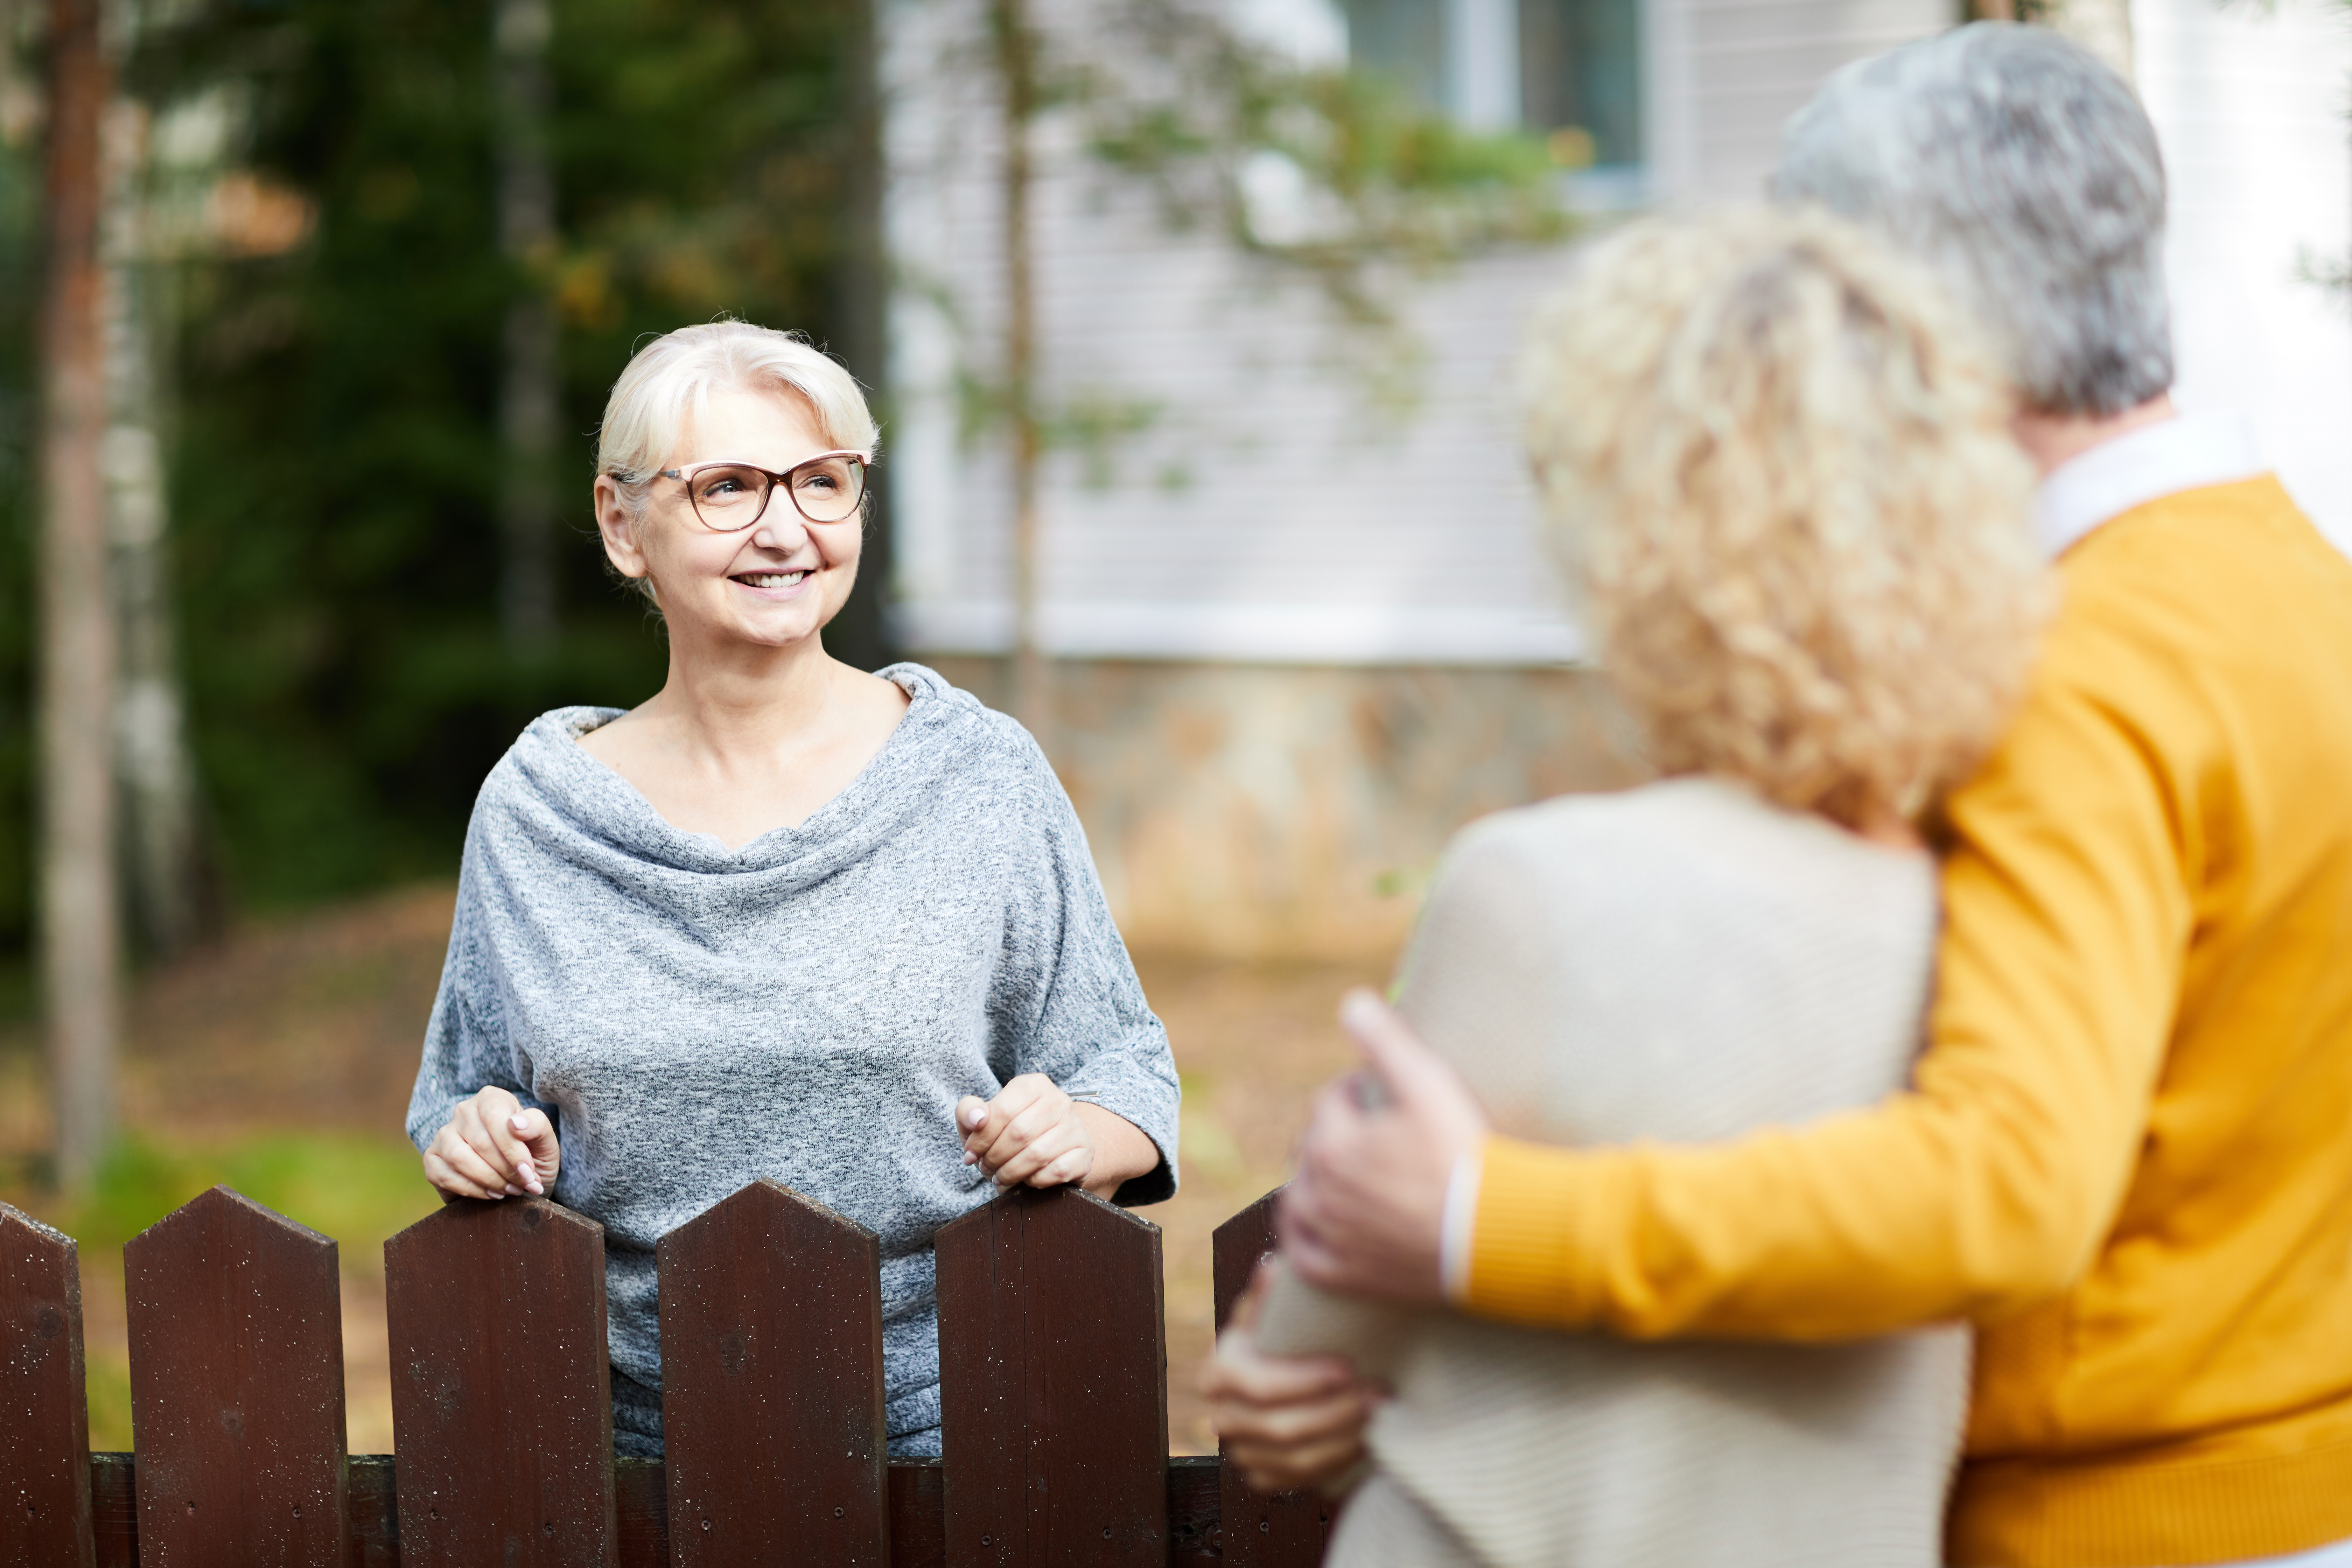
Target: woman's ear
[618,528]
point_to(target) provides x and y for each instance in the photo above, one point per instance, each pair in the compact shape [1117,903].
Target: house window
[1580,80]
[1403,40]
[1569,70]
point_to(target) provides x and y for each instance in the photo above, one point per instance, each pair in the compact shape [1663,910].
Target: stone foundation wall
[1289,812]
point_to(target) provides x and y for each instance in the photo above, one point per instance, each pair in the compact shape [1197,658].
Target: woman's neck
[735,701]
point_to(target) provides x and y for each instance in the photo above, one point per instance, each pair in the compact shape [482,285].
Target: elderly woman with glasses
[785,918]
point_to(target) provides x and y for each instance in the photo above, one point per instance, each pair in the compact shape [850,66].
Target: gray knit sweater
[808,1008]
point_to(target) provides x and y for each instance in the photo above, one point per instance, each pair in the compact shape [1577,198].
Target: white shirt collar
[2186,452]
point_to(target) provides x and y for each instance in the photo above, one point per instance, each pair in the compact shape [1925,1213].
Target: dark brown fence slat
[1053,1384]
[1235,1249]
[1260,1530]
[918,1525]
[376,1512]
[43,1411]
[114,1510]
[641,1507]
[500,1389]
[1193,1510]
[237,1387]
[771,1386]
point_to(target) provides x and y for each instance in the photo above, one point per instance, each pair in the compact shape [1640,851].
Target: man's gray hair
[2027,171]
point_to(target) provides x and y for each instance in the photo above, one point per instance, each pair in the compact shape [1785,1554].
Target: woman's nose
[780,526]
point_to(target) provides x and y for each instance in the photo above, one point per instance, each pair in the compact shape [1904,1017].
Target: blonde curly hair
[1777,463]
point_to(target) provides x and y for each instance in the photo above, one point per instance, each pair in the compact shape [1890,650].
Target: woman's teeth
[771,579]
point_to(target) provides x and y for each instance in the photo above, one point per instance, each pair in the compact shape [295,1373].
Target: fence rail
[1053,1386]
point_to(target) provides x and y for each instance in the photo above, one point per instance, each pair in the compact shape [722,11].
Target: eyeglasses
[731,496]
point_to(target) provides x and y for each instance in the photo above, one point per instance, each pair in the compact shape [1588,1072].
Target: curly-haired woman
[785,918]
[1781,466]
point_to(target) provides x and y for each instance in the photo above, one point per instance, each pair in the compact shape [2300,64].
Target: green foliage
[360,1190]
[335,468]
[1372,182]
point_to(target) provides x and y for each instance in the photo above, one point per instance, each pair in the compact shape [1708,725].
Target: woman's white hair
[671,379]
[2023,169]
[1778,460]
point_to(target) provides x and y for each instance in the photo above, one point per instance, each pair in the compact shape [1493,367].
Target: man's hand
[1286,1423]
[492,1148]
[1365,1213]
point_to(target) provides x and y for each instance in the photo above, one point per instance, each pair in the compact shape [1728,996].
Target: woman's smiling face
[775,583]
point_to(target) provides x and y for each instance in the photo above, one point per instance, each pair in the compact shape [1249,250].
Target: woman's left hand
[1033,1133]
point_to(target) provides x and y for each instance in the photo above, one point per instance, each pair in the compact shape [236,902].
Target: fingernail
[517,1122]
[513,1190]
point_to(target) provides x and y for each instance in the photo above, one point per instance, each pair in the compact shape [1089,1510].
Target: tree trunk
[531,391]
[1016,63]
[860,633]
[158,840]
[78,651]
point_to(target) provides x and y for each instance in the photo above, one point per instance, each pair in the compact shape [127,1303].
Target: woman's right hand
[493,1148]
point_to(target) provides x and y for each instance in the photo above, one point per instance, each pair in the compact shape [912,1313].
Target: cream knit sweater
[1680,963]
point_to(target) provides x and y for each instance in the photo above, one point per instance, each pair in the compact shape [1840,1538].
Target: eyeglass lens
[731,496]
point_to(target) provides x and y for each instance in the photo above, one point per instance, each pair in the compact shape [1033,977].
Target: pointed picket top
[502,1391]
[44,1411]
[1053,1365]
[1260,1530]
[771,1386]
[1235,1249]
[237,1387]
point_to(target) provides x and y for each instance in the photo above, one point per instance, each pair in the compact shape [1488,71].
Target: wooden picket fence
[1053,1363]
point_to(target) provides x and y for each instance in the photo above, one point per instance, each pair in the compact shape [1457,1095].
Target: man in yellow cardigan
[2127,1155]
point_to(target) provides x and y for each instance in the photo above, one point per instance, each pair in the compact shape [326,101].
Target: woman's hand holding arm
[1288,1421]
[493,1148]
[1034,1134]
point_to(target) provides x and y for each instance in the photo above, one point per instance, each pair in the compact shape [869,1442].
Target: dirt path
[308,1029]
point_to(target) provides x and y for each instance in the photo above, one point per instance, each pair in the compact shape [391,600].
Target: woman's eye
[820,482]
[719,489]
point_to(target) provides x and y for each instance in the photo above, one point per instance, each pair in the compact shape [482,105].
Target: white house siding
[1270,509]
[2250,102]
[1724,75]
[1272,515]
[1269,517]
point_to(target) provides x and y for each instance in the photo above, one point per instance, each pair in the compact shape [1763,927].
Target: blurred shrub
[335,451]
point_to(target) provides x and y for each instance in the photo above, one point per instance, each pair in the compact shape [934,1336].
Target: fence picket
[1052,1384]
[237,1387]
[501,1390]
[918,1514]
[114,1510]
[771,1386]
[1260,1530]
[44,1517]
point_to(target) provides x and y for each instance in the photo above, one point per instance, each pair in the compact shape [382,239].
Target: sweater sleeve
[1992,1183]
[1067,997]
[467,1048]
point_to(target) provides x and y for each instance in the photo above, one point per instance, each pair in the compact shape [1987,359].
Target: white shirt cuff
[1461,1220]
